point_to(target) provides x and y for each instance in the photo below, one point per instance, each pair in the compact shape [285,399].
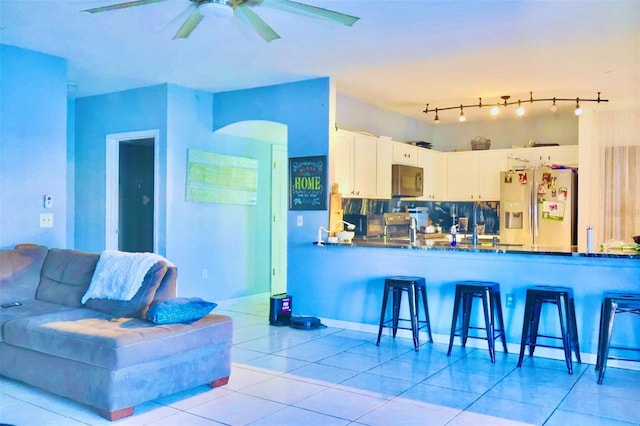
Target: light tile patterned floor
[282,376]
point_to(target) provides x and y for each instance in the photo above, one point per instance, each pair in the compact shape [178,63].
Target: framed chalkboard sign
[308,183]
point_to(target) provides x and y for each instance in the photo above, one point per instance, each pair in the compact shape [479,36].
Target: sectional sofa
[102,353]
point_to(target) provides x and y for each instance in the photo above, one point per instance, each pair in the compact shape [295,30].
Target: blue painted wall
[355,115]
[96,117]
[231,242]
[33,141]
[346,284]
[304,108]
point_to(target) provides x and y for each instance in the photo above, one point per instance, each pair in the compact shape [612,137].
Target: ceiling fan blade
[305,9]
[261,27]
[189,24]
[122,5]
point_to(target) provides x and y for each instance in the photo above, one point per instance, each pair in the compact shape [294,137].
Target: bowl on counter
[637,239]
[345,236]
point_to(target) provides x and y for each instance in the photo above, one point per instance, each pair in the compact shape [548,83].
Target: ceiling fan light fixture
[216,8]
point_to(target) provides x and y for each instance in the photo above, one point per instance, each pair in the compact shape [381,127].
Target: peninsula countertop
[485,245]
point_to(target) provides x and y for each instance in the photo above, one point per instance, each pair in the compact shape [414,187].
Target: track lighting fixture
[462,117]
[495,110]
[578,110]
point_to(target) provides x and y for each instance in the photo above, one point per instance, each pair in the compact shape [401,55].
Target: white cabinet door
[432,163]
[489,165]
[353,165]
[364,166]
[341,161]
[405,154]
[384,155]
[461,172]
[566,155]
[475,175]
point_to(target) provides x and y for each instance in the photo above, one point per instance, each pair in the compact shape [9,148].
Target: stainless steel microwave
[406,181]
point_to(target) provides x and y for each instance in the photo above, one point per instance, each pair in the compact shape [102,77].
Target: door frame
[112,184]
[279,206]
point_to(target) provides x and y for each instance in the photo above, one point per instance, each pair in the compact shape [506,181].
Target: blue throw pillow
[180,309]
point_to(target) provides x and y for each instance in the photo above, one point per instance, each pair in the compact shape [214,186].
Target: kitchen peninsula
[354,275]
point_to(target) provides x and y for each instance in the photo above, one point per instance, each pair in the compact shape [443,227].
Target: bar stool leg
[425,304]
[385,297]
[535,324]
[467,303]
[609,317]
[454,321]
[526,327]
[566,339]
[487,307]
[397,296]
[413,314]
[600,337]
[503,337]
[574,329]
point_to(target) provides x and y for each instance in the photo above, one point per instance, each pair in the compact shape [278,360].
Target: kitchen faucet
[413,230]
[474,218]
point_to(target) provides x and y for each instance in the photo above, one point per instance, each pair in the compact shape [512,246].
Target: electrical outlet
[205,273]
[46,220]
[509,301]
[299,220]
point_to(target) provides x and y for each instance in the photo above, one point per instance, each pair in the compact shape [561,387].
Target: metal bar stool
[489,293]
[562,297]
[413,286]
[613,303]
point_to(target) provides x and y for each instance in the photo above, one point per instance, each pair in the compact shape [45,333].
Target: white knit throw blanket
[119,275]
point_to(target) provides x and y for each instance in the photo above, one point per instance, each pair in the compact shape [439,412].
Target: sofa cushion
[66,275]
[98,339]
[136,307]
[20,272]
[180,309]
[28,308]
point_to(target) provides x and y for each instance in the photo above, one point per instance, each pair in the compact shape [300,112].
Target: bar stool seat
[489,293]
[562,298]
[414,287]
[614,303]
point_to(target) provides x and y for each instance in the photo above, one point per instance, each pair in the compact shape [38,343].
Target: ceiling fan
[241,9]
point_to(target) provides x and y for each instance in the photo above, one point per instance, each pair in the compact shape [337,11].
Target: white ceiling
[400,55]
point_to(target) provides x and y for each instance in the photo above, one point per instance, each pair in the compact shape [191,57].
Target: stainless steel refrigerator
[539,207]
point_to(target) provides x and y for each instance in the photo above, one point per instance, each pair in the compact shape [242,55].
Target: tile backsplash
[440,212]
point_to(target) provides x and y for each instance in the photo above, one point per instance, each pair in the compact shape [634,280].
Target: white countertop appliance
[538,207]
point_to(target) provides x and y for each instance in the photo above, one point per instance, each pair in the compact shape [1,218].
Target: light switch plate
[299,220]
[46,220]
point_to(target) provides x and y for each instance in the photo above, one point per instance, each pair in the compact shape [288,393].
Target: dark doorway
[136,195]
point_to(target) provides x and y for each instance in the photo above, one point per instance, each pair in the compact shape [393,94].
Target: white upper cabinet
[341,161]
[523,158]
[405,154]
[433,164]
[353,164]
[384,155]
[364,166]
[566,155]
[475,175]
